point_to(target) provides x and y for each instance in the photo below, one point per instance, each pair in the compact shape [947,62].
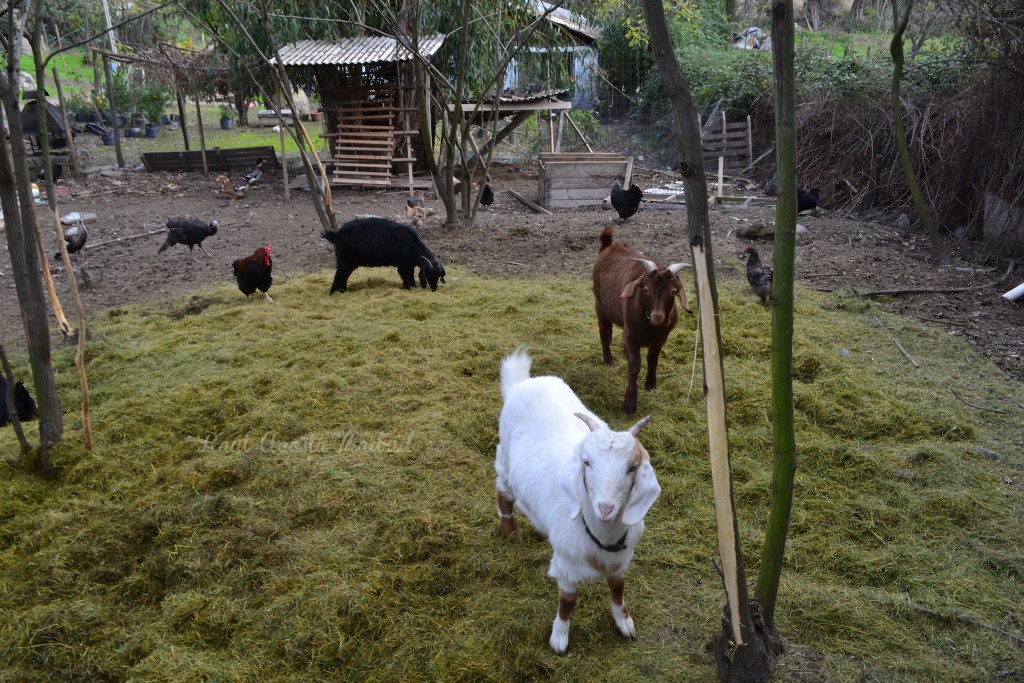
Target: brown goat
[634,293]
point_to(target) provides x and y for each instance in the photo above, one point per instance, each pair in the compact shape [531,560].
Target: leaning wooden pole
[76,165]
[114,118]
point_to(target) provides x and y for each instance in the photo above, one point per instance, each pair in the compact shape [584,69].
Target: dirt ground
[506,240]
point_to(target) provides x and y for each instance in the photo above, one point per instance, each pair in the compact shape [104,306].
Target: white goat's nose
[604,511]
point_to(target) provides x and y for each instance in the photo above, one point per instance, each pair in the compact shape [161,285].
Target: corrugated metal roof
[575,23]
[533,96]
[363,50]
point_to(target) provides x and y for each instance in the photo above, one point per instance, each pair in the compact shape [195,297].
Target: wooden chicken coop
[368,98]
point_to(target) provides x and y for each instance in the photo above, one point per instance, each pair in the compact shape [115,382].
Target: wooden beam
[536,207]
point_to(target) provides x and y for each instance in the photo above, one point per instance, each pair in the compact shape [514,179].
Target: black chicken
[626,202]
[58,171]
[188,231]
[253,272]
[807,200]
[75,237]
[759,275]
[23,403]
[487,198]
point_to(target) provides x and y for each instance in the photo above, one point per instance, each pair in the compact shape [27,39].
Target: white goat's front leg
[620,613]
[559,640]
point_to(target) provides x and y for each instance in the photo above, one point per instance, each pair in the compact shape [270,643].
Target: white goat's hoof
[559,640]
[623,621]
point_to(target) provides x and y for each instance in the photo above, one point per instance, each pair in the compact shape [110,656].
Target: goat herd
[584,487]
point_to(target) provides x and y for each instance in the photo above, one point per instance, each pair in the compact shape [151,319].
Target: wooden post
[76,166]
[181,115]
[113,112]
[750,140]
[561,122]
[721,175]
[551,130]
[284,154]
[580,133]
[202,138]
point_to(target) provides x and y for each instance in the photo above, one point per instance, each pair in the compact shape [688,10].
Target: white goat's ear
[630,287]
[571,483]
[589,420]
[645,491]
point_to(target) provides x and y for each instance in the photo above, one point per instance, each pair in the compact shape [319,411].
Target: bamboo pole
[284,154]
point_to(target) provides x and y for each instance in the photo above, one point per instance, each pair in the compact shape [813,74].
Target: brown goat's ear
[682,299]
[630,288]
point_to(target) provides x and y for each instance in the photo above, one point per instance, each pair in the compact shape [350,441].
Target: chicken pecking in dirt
[759,275]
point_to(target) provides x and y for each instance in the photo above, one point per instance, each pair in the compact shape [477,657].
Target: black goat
[376,242]
[23,403]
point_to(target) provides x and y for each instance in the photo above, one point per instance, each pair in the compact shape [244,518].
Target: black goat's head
[431,271]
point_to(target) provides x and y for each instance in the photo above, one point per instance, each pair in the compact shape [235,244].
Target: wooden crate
[571,180]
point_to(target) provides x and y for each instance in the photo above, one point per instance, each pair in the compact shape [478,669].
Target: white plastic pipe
[1015,293]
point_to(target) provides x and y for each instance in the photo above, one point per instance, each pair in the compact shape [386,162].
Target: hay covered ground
[303,491]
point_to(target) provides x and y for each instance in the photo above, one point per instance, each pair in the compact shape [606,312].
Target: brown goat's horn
[635,429]
[649,266]
[676,267]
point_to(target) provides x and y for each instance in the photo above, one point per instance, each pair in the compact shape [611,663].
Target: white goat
[583,486]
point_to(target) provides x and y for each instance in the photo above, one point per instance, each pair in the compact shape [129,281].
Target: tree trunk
[750,660]
[783,50]
[896,50]
[23,248]
[856,14]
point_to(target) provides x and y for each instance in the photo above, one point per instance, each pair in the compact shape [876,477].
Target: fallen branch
[977,407]
[124,239]
[897,342]
[810,276]
[935,290]
[970,621]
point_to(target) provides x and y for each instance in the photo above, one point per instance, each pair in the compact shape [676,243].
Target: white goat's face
[610,463]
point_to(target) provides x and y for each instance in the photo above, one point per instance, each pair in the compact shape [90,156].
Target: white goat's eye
[632,469]
[586,463]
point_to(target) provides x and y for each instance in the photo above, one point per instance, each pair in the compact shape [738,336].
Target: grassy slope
[304,491]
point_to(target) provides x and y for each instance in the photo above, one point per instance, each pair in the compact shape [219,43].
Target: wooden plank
[527,202]
[601,183]
[584,169]
[569,203]
[580,156]
[592,196]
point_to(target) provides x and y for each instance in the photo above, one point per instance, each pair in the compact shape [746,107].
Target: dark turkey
[188,231]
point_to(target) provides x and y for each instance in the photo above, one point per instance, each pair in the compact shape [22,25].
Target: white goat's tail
[514,369]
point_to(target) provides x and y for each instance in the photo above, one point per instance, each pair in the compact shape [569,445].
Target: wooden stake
[580,133]
[284,154]
[896,342]
[181,116]
[202,137]
[561,123]
[113,112]
[718,439]
[76,166]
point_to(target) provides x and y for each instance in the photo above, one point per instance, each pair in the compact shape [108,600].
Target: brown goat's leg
[508,520]
[633,358]
[653,353]
[620,613]
[604,327]
[559,640]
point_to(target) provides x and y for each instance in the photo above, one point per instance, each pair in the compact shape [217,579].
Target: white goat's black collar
[614,548]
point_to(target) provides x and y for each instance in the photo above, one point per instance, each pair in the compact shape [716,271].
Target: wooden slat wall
[572,180]
[733,144]
[242,158]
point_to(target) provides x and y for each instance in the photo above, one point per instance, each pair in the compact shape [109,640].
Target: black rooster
[23,403]
[626,202]
[807,200]
[188,231]
[253,272]
[759,275]
[75,237]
